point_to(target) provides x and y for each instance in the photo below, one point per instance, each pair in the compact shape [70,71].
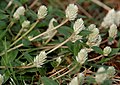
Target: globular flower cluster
[20,11]
[42,12]
[78,80]
[78,27]
[112,17]
[71,11]
[94,38]
[103,74]
[40,59]
[82,56]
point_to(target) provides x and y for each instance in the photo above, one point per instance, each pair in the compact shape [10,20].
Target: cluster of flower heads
[104,74]
[93,39]
[112,17]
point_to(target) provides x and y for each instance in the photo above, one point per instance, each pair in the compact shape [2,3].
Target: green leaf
[2,24]
[28,57]
[47,81]
[64,30]
[97,49]
[12,55]
[26,42]
[85,33]
[114,51]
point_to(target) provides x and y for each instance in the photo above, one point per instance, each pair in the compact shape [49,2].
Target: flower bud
[40,59]
[110,71]
[101,75]
[42,12]
[26,24]
[20,11]
[59,60]
[91,27]
[113,31]
[107,50]
[82,56]
[71,11]
[78,26]
[1,79]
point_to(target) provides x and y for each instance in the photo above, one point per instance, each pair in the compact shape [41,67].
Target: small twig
[57,72]
[101,4]
[61,44]
[9,4]
[19,33]
[66,20]
[66,72]
[95,58]
[84,11]
[33,4]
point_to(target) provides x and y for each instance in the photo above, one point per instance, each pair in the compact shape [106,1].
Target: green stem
[25,33]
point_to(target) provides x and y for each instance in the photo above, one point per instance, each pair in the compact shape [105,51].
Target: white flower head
[78,26]
[25,24]
[110,71]
[107,50]
[59,60]
[94,42]
[109,19]
[92,37]
[91,27]
[78,80]
[42,12]
[40,59]
[20,11]
[113,31]
[82,56]
[117,18]
[51,26]
[101,75]
[74,81]
[71,11]
[1,79]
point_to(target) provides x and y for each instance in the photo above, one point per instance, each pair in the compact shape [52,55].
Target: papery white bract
[117,18]
[112,17]
[82,56]
[78,80]
[109,19]
[92,37]
[101,75]
[40,59]
[78,26]
[107,50]
[42,12]
[1,79]
[59,60]
[113,31]
[20,11]
[110,72]
[25,24]
[71,11]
